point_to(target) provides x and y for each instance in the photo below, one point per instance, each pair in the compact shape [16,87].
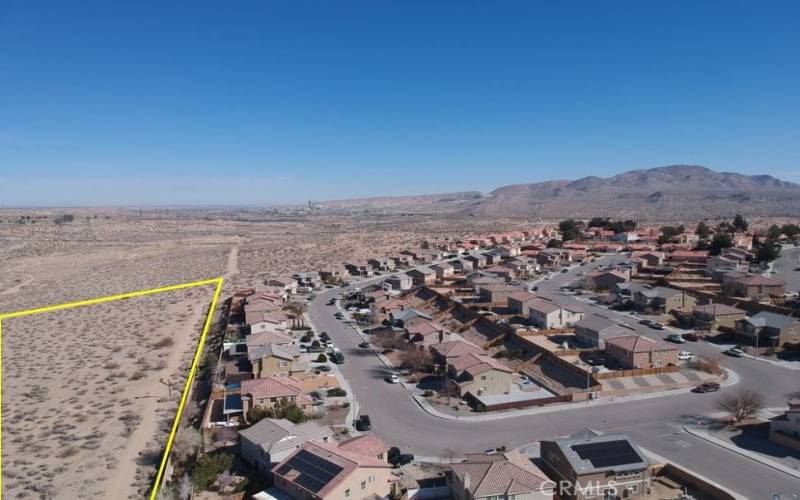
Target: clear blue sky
[259,102]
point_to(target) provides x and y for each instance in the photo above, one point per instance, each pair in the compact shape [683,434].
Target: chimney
[467,481]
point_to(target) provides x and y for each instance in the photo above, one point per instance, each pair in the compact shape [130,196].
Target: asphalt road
[785,266]
[651,422]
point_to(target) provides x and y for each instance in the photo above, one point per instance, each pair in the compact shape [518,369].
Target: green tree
[720,242]
[768,251]
[668,233]
[570,230]
[740,224]
[322,358]
[791,230]
[554,243]
[774,232]
[702,230]
[599,222]
[702,245]
[208,467]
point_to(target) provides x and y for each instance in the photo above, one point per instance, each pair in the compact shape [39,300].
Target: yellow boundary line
[100,300]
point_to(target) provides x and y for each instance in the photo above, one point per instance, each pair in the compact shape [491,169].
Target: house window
[363,485]
[347,493]
[483,377]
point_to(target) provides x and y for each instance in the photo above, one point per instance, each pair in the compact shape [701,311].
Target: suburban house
[332,274]
[444,352]
[785,429]
[769,329]
[593,330]
[405,318]
[476,279]
[307,280]
[478,260]
[275,359]
[546,314]
[422,276]
[607,280]
[688,256]
[496,293]
[400,281]
[494,476]
[517,301]
[751,285]
[426,334]
[479,374]
[635,351]
[270,441]
[501,271]
[462,265]
[714,316]
[509,250]
[662,299]
[287,284]
[443,270]
[595,465]
[360,268]
[652,259]
[268,392]
[381,264]
[326,471]
[720,263]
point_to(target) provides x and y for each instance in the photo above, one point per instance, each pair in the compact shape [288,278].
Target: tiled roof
[456,348]
[636,343]
[497,475]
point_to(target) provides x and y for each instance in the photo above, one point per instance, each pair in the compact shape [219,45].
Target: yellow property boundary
[100,300]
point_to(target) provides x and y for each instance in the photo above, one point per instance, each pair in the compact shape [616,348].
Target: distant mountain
[671,192]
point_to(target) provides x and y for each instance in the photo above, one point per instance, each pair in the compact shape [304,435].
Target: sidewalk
[658,458]
[745,453]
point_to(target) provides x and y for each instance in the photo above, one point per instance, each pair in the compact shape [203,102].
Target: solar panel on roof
[607,454]
[315,471]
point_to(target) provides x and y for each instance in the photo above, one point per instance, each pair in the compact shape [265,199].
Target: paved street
[400,421]
[785,266]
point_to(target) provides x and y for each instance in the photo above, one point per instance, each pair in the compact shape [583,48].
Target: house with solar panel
[589,464]
[270,440]
[354,469]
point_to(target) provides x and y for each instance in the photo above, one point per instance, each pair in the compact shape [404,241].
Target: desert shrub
[428,393]
[164,342]
[336,392]
[208,467]
[138,374]
[322,358]
[306,338]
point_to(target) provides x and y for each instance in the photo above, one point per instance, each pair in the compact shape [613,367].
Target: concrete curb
[745,453]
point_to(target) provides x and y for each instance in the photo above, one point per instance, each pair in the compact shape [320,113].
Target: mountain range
[674,192]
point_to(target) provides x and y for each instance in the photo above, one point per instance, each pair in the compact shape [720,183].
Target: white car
[392,378]
[685,356]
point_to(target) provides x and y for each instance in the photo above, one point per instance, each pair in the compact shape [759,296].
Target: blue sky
[260,102]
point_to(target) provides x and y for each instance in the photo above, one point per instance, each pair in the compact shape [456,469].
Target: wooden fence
[638,372]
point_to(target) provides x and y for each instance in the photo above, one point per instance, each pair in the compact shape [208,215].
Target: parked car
[565,270]
[735,352]
[331,302]
[646,322]
[337,357]
[322,368]
[707,387]
[392,378]
[693,337]
[656,326]
[398,459]
[685,356]
[364,345]
[363,423]
[324,336]
[338,315]
[677,338]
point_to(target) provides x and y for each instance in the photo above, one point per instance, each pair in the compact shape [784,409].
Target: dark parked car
[337,357]
[398,459]
[363,423]
[364,345]
[646,322]
[322,368]
[707,387]
[691,336]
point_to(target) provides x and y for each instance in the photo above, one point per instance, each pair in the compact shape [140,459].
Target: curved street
[655,423]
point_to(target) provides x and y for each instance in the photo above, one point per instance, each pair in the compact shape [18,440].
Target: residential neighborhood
[500,326]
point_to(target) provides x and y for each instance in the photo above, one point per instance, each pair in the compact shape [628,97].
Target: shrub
[306,338]
[336,392]
[208,467]
[322,358]
[315,343]
[164,342]
[428,393]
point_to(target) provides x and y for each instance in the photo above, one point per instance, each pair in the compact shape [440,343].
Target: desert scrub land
[86,396]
